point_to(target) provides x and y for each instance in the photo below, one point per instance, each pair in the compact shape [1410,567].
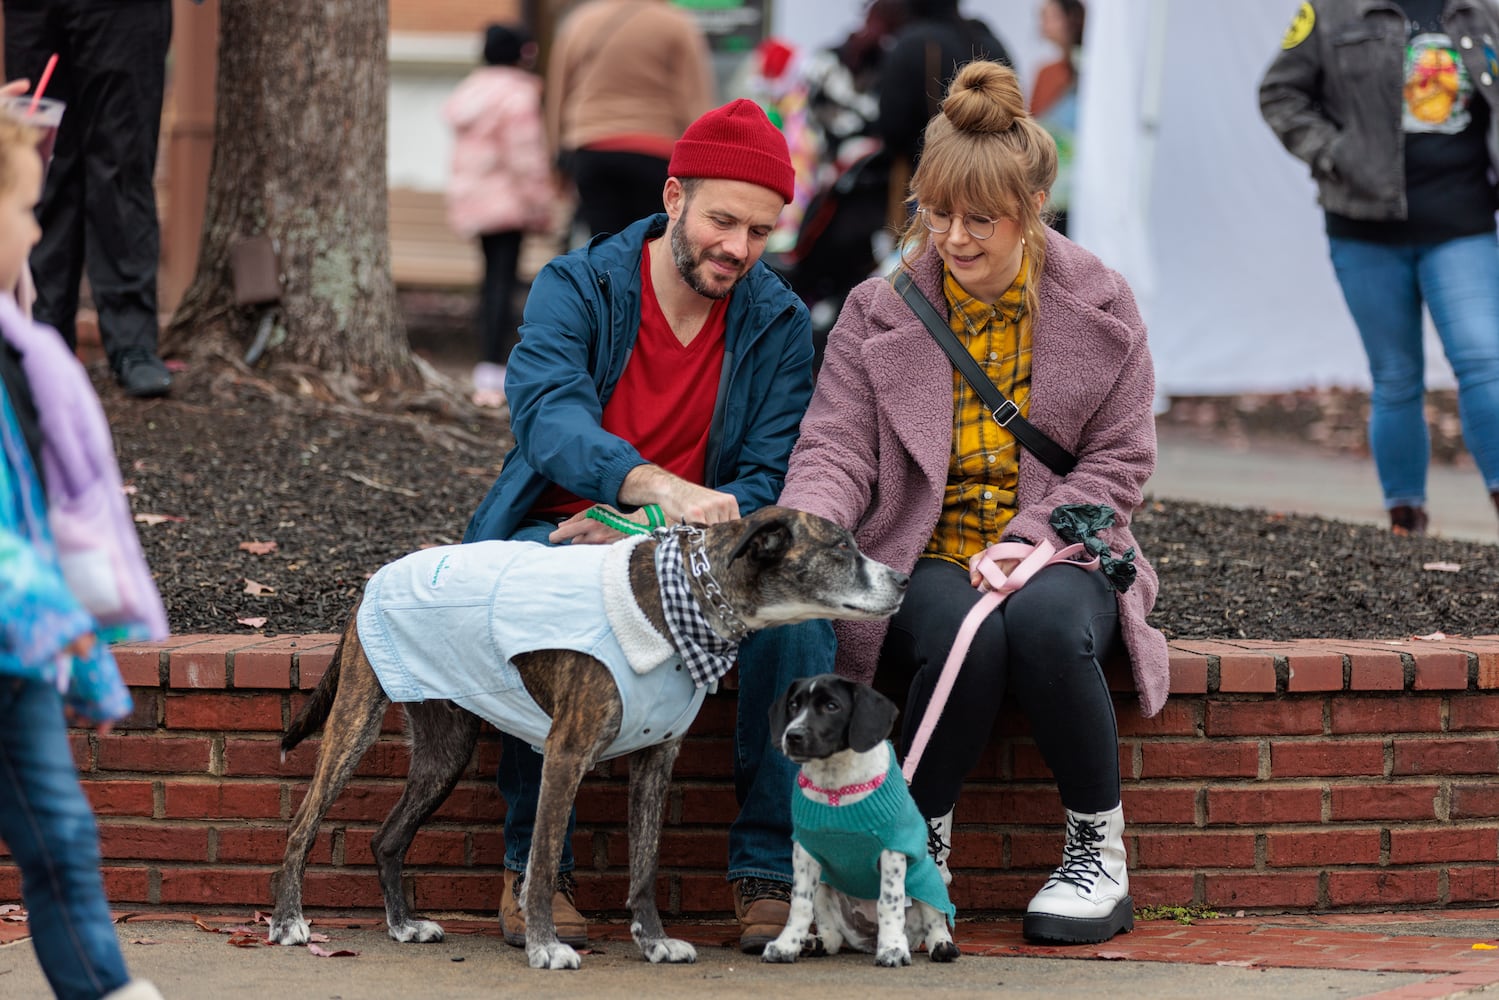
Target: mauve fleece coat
[874,448]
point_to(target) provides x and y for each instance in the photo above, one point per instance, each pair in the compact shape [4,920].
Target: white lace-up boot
[939,843]
[1087,899]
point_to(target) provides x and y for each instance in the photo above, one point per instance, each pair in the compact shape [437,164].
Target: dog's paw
[418,931]
[292,930]
[945,951]
[552,956]
[668,950]
[781,953]
[893,957]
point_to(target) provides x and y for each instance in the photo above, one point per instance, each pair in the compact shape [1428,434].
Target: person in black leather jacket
[1392,106]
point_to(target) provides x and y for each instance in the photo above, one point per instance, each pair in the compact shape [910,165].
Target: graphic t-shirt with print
[1445,121]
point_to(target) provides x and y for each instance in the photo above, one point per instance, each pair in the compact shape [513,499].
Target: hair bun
[984,97]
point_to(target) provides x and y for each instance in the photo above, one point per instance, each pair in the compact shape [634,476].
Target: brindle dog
[774,567]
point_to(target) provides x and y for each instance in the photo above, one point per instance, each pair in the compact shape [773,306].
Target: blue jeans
[1385,286]
[49,827]
[760,837]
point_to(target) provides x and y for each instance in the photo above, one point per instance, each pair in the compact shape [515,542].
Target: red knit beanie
[738,143]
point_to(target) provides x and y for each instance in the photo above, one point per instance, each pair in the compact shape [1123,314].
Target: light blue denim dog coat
[447,622]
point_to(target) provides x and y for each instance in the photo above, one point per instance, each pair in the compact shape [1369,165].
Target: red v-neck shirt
[663,403]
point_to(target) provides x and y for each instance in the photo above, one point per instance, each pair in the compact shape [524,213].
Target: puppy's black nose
[902,581]
[794,740]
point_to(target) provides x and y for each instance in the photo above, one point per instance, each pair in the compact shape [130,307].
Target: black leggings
[497,332]
[616,189]
[1045,644]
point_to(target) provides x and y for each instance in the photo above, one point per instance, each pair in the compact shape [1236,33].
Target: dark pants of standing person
[616,189]
[497,331]
[99,202]
[1044,645]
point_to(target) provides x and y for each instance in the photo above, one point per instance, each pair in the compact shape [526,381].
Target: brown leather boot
[1407,520]
[572,929]
[762,907]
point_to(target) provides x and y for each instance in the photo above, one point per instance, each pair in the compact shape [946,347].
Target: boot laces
[1082,858]
[567,884]
[935,845]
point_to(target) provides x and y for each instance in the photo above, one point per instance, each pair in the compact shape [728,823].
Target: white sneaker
[136,989]
[1087,899]
[939,843]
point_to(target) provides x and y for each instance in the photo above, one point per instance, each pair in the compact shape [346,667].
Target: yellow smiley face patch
[1301,27]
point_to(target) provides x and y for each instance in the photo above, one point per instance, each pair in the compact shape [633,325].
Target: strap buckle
[1005,412]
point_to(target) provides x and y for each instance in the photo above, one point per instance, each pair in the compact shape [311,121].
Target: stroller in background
[841,242]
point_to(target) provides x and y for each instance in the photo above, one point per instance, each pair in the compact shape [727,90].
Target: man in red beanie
[662,372]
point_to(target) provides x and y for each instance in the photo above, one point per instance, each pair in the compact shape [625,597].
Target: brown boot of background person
[1407,520]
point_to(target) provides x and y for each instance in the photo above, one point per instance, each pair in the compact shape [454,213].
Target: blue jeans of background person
[47,823]
[760,837]
[1385,286]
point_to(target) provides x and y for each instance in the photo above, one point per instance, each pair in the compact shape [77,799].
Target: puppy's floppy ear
[871,720]
[766,543]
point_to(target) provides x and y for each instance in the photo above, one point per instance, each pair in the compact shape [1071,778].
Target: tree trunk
[299,155]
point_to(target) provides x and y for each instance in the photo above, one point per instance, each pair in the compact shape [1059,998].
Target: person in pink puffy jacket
[499,185]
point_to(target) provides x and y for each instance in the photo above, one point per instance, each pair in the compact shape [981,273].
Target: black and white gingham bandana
[707,654]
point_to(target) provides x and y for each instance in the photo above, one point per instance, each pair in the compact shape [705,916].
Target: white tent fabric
[1183,188]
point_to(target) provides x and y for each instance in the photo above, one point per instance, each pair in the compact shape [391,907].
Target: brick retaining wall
[1306,775]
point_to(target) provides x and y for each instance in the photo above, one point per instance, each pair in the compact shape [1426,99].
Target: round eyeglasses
[980,227]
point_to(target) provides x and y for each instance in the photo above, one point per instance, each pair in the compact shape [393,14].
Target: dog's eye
[831,707]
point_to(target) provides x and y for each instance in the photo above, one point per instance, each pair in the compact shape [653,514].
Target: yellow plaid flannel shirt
[984,469]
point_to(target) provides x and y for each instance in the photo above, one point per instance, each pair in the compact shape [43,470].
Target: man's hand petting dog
[512,657]
[855,826]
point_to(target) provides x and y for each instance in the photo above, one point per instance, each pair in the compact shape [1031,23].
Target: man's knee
[779,655]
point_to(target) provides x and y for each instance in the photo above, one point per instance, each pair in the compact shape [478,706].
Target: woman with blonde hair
[899,447]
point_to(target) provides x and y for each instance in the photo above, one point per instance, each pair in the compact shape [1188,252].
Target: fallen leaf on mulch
[252,622]
[1442,567]
[258,548]
[325,953]
[246,940]
[154,519]
[1480,946]
[258,589]
[1430,637]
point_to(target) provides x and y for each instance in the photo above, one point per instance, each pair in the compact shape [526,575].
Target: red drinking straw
[41,85]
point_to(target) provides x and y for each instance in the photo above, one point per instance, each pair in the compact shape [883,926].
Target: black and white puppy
[858,834]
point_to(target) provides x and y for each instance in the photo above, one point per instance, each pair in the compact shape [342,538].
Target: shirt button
[991,459]
[1466,43]
[1485,78]
[988,495]
[993,356]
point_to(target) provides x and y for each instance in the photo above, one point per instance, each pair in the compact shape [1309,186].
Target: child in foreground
[53,666]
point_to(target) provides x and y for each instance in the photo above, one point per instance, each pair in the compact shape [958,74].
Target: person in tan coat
[624,79]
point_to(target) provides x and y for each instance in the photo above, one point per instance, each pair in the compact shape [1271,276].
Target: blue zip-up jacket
[582,317]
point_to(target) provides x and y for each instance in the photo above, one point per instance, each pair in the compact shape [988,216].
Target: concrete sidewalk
[1391,956]
[1294,479]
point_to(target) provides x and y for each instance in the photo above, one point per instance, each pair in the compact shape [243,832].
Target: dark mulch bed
[340,491]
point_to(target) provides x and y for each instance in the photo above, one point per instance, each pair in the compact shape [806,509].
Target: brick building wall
[1313,775]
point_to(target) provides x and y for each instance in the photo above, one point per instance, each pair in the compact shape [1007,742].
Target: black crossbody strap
[1000,407]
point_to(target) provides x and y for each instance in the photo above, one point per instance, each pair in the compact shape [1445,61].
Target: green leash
[625,526]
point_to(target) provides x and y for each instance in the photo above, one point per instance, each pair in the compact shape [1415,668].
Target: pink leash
[996,586]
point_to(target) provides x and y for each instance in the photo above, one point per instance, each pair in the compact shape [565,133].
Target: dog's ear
[871,720]
[766,543]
